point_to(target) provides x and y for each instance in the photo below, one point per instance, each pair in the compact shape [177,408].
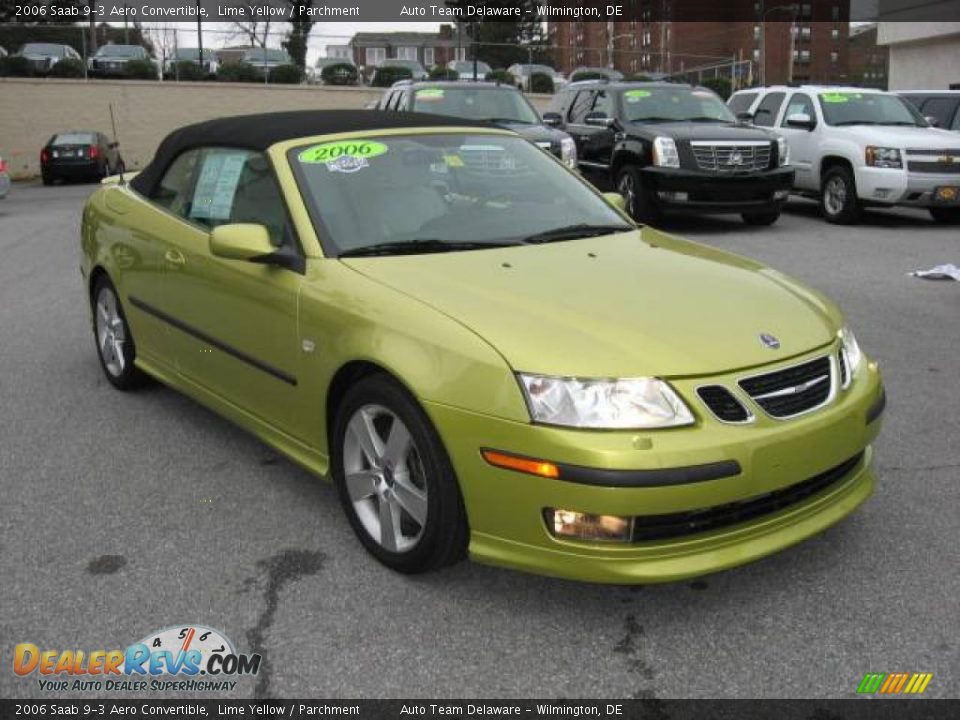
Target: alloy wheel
[835,196]
[627,188]
[385,478]
[111,332]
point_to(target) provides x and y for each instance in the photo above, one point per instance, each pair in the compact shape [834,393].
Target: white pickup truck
[855,147]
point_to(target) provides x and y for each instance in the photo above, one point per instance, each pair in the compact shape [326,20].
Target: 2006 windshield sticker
[345,156]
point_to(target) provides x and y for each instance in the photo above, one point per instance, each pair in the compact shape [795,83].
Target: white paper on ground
[940,272]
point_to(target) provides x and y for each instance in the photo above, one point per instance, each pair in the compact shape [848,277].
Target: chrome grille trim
[720,155]
[831,377]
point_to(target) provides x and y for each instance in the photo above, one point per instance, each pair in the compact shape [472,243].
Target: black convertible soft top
[258,132]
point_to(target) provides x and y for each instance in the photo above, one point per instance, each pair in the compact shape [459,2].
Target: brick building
[369,49]
[659,40]
[868,61]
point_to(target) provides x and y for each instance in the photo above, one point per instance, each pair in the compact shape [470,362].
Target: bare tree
[164,39]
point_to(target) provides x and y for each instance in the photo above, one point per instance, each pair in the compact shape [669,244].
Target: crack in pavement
[282,569]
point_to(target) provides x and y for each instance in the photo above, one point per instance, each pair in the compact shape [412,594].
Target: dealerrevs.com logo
[187,657]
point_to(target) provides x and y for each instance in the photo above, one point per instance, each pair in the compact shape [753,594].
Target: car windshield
[465,67]
[120,51]
[476,103]
[42,49]
[266,54]
[855,108]
[668,104]
[440,191]
[73,139]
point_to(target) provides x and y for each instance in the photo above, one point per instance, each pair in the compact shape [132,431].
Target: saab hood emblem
[769,341]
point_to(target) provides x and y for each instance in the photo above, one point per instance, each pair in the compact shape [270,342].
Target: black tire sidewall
[444,535]
[851,208]
[642,209]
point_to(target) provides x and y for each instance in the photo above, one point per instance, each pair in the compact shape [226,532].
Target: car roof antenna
[113,123]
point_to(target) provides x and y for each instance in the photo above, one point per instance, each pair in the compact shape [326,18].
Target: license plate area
[946,194]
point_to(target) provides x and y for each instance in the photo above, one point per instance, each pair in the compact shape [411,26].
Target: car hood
[697,131]
[535,133]
[620,305]
[905,137]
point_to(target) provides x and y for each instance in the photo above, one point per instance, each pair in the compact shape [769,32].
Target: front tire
[395,481]
[761,218]
[946,216]
[639,203]
[115,346]
[838,197]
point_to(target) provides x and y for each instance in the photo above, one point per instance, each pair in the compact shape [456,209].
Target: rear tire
[395,481]
[838,197]
[47,180]
[761,218]
[639,203]
[946,216]
[115,346]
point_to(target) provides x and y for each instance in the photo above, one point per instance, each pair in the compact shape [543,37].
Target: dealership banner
[441,10]
[649,709]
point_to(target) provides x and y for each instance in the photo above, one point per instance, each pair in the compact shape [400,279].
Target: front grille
[791,391]
[944,161]
[723,404]
[738,158]
[660,527]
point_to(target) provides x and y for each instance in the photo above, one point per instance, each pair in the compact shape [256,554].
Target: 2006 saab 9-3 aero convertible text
[483,352]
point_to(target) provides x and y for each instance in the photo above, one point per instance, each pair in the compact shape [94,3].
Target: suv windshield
[42,49]
[666,104]
[440,192]
[854,108]
[193,54]
[120,51]
[475,103]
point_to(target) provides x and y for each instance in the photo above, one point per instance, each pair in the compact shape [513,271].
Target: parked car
[4,178]
[940,108]
[673,148]
[467,72]
[266,59]
[111,60]
[209,65]
[503,105]
[449,325]
[522,72]
[79,155]
[346,72]
[417,70]
[608,73]
[43,56]
[856,147]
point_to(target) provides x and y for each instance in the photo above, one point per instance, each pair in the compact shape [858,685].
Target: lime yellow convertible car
[483,353]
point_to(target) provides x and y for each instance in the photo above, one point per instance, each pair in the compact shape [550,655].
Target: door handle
[174,257]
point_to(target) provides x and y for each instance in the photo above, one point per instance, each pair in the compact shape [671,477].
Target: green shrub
[188,70]
[67,68]
[500,75]
[387,76]
[443,73]
[238,72]
[541,83]
[720,85]
[16,66]
[339,74]
[587,75]
[140,70]
[286,75]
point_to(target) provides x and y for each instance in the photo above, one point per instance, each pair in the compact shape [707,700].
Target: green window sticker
[430,94]
[836,97]
[633,96]
[347,156]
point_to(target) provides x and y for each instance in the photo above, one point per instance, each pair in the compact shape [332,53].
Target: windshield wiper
[704,118]
[573,232]
[508,120]
[417,247]
[655,119]
[905,123]
[856,122]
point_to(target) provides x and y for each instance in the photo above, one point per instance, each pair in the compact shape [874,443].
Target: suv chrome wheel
[835,196]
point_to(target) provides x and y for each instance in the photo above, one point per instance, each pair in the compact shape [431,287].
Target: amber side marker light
[521,464]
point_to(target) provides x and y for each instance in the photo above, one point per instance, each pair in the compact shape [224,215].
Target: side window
[175,189]
[768,108]
[580,107]
[741,102]
[237,186]
[603,104]
[799,104]
[941,109]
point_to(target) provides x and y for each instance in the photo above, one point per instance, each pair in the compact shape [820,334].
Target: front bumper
[709,192]
[505,508]
[899,187]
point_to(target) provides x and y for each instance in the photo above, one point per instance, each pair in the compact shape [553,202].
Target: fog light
[584,526]
[881,192]
[781,194]
[673,196]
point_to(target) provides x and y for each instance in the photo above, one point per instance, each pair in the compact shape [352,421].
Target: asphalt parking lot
[127,513]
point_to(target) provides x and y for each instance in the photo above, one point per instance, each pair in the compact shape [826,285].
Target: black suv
[670,147]
[502,105]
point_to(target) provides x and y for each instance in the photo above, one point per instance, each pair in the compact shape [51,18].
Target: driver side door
[802,141]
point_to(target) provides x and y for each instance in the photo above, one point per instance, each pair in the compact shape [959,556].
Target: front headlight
[783,150]
[568,152]
[600,404]
[851,351]
[883,157]
[665,152]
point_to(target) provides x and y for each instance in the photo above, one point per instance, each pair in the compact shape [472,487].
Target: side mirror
[598,119]
[616,200]
[932,120]
[745,117]
[552,119]
[241,241]
[801,120]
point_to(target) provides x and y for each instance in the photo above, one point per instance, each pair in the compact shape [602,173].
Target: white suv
[854,147]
